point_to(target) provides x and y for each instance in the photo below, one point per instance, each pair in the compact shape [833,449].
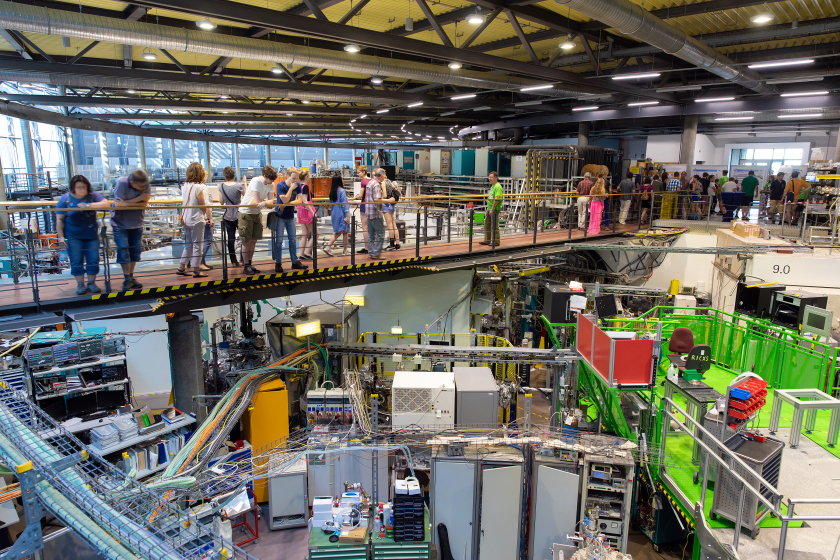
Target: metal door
[554,512]
[452,504]
[501,499]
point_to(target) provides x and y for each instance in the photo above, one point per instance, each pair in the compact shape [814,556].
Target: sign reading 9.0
[784,269]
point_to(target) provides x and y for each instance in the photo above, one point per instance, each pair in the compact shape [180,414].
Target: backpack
[645,195]
[392,191]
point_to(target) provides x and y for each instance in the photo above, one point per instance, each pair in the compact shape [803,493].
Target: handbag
[185,202]
[271,221]
[645,195]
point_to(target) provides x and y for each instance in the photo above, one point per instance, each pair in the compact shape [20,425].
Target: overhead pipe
[34,19]
[634,21]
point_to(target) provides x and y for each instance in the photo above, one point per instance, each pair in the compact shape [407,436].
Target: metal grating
[412,400]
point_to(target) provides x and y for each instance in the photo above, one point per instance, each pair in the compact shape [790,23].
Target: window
[794,153]
[779,153]
[763,154]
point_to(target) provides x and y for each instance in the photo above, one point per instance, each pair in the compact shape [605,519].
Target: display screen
[66,353]
[113,346]
[816,321]
[811,177]
[90,348]
[80,405]
[40,357]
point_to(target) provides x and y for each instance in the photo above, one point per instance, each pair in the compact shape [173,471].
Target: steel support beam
[434,23]
[519,33]
[480,29]
[174,61]
[16,43]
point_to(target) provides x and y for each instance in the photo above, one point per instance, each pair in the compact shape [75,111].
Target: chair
[681,343]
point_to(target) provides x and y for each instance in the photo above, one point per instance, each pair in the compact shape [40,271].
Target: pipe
[634,21]
[34,19]
[29,155]
[526,147]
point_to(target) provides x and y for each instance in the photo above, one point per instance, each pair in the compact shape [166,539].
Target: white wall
[147,354]
[704,150]
[664,148]
[685,267]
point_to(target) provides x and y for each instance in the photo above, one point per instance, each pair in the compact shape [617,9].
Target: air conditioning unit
[423,398]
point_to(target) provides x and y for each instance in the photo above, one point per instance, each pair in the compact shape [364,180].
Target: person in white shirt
[258,195]
[194,220]
[730,186]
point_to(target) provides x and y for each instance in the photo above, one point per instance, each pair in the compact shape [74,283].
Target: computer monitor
[607,306]
[817,321]
[81,405]
[110,400]
[111,346]
[40,358]
[66,353]
[90,349]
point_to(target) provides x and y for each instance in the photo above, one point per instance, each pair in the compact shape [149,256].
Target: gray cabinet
[287,504]
[554,498]
[328,470]
[477,397]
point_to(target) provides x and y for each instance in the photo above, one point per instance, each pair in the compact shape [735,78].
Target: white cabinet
[453,491]
[501,494]
[287,505]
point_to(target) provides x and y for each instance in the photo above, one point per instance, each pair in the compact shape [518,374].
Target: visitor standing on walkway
[583,188]
[627,188]
[375,223]
[339,214]
[287,197]
[362,174]
[748,186]
[389,212]
[797,191]
[208,227]
[596,207]
[645,197]
[494,206]
[78,231]
[777,193]
[127,225]
[231,194]
[257,196]
[306,214]
[193,220]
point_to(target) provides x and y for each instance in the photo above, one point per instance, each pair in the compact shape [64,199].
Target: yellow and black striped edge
[230,289]
[296,276]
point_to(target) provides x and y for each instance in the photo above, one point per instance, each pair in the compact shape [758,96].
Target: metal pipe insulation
[68,512]
[34,19]
[75,80]
[132,535]
[634,21]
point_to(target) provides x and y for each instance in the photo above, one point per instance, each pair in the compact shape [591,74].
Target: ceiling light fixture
[416,104]
[380,111]
[467,96]
[535,88]
[376,80]
[305,101]
[794,80]
[734,118]
[149,55]
[526,103]
[455,65]
[763,17]
[476,18]
[130,91]
[223,96]
[569,43]
[801,116]
[378,134]
[781,63]
[276,70]
[288,114]
[206,24]
[352,121]
[713,99]
[585,108]
[352,47]
[805,93]
[363,116]
[678,88]
[636,76]
[643,103]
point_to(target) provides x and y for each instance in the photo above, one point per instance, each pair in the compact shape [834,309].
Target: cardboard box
[746,229]
[357,535]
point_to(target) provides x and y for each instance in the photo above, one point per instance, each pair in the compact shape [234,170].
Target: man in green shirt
[748,186]
[494,205]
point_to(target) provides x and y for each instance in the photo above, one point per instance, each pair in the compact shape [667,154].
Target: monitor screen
[81,405]
[40,357]
[816,321]
[111,346]
[66,353]
[811,177]
[110,400]
[90,349]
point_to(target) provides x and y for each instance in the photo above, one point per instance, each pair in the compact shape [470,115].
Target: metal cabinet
[555,487]
[478,497]
[327,471]
[287,503]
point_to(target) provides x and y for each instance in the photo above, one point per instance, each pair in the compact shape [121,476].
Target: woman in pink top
[306,213]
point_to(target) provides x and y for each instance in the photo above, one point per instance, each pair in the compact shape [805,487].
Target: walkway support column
[689,141]
[29,155]
[141,152]
[837,149]
[209,166]
[187,365]
[235,148]
[583,133]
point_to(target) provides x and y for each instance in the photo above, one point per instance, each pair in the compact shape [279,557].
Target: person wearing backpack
[646,191]
[392,196]
[231,193]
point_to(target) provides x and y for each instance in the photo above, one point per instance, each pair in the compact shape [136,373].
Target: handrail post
[105,250]
[652,209]
[315,241]
[353,239]
[448,222]
[417,235]
[224,250]
[425,226]
[470,230]
[536,222]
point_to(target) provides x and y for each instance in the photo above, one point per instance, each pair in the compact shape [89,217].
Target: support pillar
[103,153]
[268,155]
[67,133]
[4,223]
[583,133]
[837,149]
[689,141]
[140,144]
[209,166]
[187,367]
[29,155]
[235,148]
[326,158]
[297,157]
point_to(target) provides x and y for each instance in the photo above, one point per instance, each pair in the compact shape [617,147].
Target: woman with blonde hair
[193,220]
[596,207]
[306,213]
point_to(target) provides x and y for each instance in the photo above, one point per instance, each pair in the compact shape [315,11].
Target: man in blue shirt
[127,225]
[287,199]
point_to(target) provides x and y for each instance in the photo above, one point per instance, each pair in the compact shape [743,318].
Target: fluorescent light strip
[468,96]
[781,63]
[801,116]
[805,93]
[678,88]
[588,108]
[527,103]
[713,99]
[416,104]
[380,111]
[734,118]
[643,103]
[535,88]
[794,80]
[636,76]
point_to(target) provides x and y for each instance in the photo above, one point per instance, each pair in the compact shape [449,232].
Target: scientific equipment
[90,349]
[423,398]
[40,358]
[817,321]
[66,353]
[789,307]
[113,346]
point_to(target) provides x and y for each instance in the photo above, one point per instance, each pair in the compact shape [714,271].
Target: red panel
[601,353]
[584,337]
[633,361]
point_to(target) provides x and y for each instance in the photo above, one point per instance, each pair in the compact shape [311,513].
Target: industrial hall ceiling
[379,72]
